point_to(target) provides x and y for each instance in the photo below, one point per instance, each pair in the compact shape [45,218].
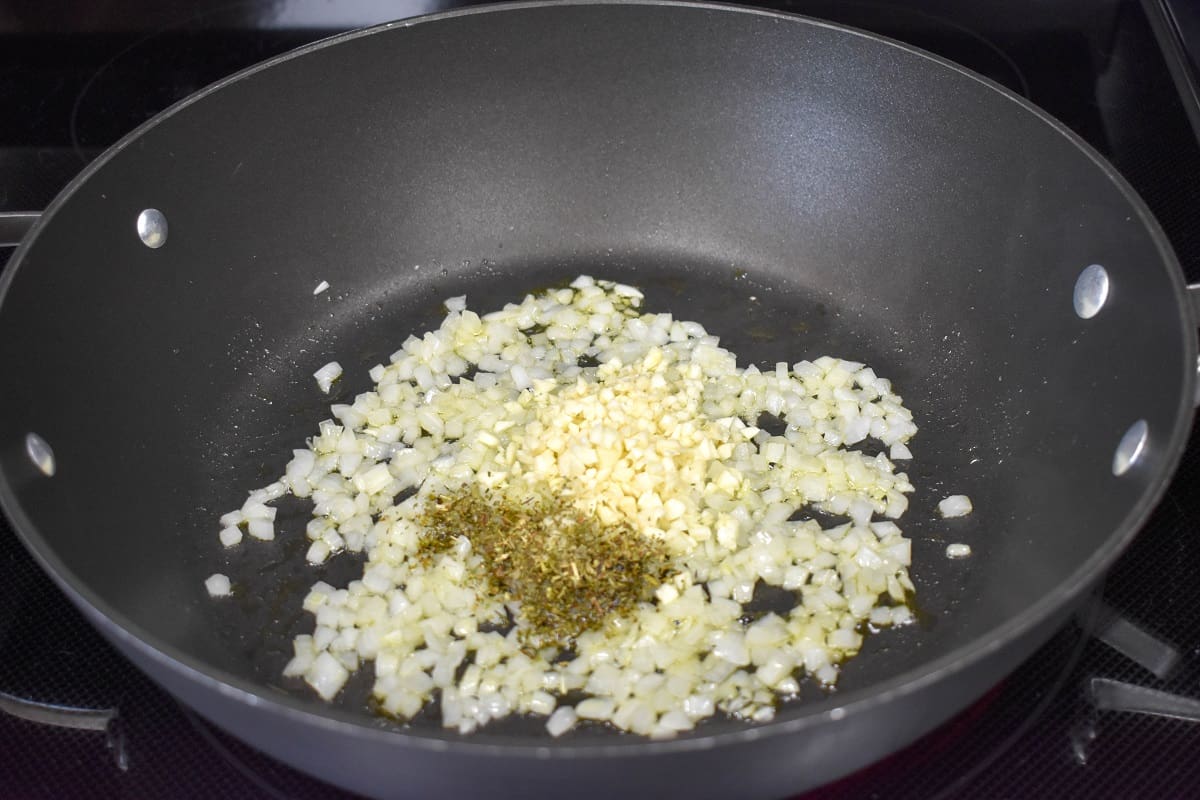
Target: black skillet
[798,187]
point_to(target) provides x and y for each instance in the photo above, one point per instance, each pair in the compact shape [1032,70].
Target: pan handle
[14,225]
[84,719]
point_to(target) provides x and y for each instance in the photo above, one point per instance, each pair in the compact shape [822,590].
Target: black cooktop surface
[1108,708]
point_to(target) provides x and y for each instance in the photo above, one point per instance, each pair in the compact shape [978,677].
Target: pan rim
[114,625]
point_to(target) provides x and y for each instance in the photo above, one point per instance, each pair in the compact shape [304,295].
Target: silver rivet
[40,454]
[1091,290]
[1131,448]
[152,228]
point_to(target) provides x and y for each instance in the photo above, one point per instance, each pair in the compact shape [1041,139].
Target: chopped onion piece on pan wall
[217,585]
[327,374]
[956,505]
[643,426]
[958,550]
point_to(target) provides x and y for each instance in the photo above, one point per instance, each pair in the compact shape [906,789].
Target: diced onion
[230,536]
[327,676]
[263,529]
[217,585]
[956,505]
[643,420]
[561,721]
[958,550]
[327,374]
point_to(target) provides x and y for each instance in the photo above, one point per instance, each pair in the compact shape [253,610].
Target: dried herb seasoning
[568,571]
